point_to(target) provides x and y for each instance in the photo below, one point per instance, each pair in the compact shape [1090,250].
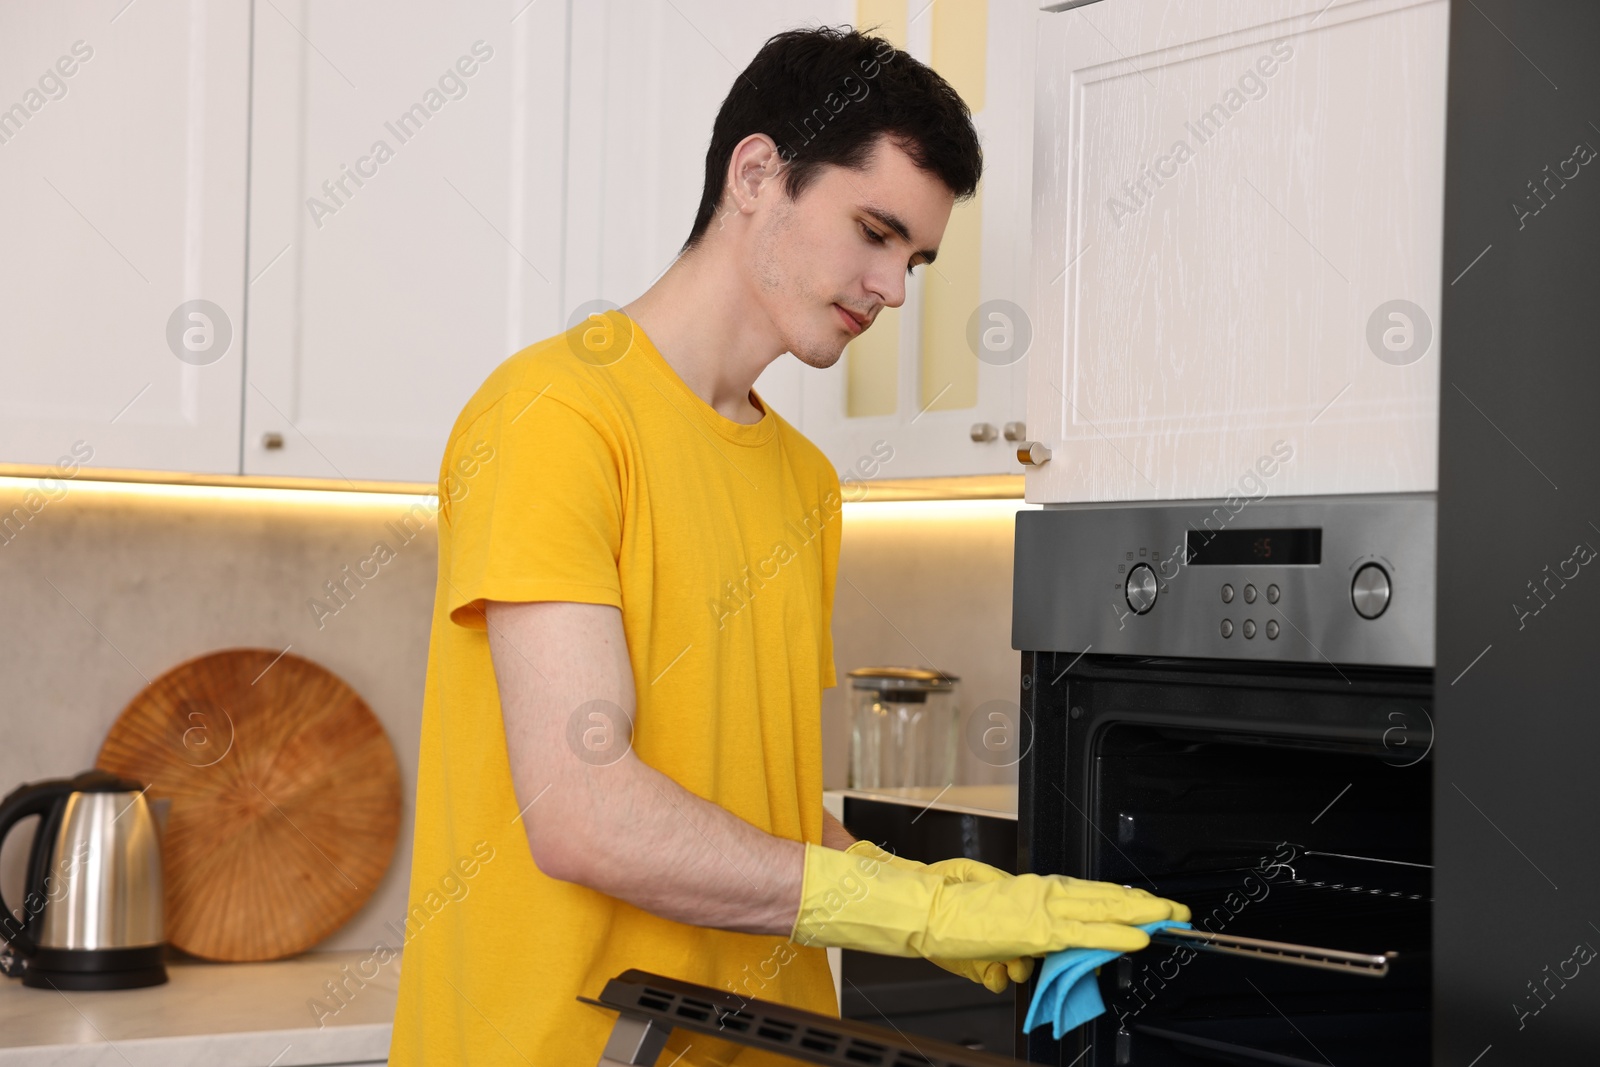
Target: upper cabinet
[123,149]
[290,239]
[406,192]
[938,386]
[1237,248]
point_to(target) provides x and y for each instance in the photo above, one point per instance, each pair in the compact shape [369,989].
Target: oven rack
[1371,965]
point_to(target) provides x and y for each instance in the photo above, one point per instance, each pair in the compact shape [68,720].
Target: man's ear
[753,173]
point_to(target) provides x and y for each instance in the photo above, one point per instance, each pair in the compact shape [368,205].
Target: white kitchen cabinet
[405,227]
[914,414]
[123,147]
[380,208]
[1237,245]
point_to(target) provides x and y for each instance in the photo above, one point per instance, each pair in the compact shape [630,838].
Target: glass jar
[903,727]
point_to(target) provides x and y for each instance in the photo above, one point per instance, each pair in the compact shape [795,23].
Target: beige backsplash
[109,587]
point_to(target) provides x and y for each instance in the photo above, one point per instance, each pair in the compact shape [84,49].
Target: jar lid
[915,679]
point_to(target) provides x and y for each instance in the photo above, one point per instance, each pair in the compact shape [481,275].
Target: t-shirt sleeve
[532,493]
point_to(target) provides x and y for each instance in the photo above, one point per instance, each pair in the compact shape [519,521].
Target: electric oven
[1230,704]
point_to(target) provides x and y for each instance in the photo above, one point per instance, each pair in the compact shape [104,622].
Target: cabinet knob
[272,441]
[1016,431]
[983,431]
[1033,453]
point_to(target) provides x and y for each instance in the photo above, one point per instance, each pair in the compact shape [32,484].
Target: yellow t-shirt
[614,484]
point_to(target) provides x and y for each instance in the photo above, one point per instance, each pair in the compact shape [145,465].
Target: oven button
[1249,628]
[1272,629]
[1227,627]
[1141,589]
[1249,594]
[1272,594]
[1369,592]
[1227,593]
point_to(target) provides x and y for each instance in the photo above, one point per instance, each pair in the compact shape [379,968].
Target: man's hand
[854,901]
[992,975]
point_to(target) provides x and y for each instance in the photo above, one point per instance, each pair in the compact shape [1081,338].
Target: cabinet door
[1237,234]
[122,175]
[652,76]
[405,231]
[904,399]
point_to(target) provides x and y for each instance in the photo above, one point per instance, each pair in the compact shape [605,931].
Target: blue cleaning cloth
[1067,994]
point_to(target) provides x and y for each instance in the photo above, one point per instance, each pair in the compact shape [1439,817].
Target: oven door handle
[1328,959]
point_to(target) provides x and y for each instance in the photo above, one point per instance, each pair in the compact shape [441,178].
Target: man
[621,752]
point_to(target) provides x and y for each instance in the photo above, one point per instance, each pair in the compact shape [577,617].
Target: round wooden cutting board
[285,799]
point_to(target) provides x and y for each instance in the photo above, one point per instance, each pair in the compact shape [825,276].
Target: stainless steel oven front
[1230,703]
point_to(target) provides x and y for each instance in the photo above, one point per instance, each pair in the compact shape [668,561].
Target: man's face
[824,265]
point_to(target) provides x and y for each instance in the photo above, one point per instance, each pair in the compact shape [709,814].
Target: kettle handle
[35,798]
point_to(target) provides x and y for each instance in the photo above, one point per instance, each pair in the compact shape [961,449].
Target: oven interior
[1291,843]
[1304,817]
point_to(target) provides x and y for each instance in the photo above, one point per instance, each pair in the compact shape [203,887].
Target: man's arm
[834,835]
[610,821]
[613,824]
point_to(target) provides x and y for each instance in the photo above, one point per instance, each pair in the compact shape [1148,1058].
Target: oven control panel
[1332,579]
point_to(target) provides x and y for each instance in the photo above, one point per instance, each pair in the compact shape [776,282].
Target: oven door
[1284,802]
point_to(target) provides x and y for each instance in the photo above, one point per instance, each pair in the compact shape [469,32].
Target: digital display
[1298,547]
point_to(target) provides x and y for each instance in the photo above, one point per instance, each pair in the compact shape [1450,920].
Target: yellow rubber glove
[992,975]
[858,902]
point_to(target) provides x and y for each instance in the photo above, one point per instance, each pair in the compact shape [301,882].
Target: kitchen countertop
[996,800]
[209,1015]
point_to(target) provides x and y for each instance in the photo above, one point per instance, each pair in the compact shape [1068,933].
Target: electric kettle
[91,911]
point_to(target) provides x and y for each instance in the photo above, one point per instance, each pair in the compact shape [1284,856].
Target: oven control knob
[1369,592]
[1141,589]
